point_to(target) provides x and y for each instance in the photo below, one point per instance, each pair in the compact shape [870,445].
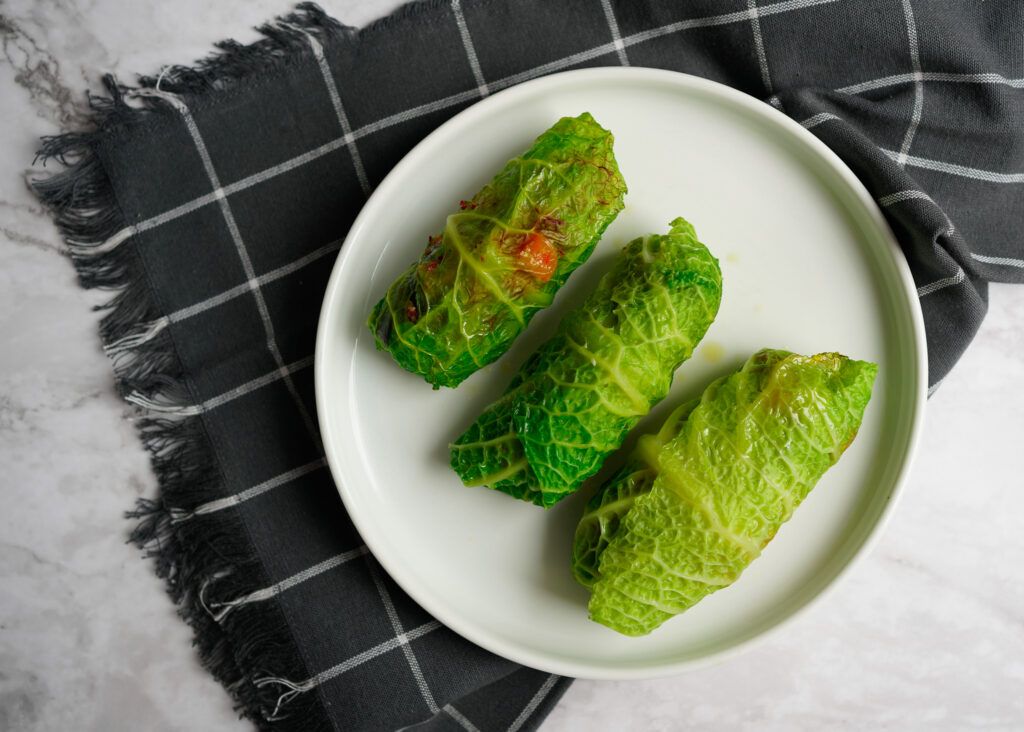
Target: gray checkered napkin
[212,201]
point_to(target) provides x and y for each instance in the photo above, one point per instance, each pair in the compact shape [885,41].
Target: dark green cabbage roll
[503,256]
[698,501]
[573,402]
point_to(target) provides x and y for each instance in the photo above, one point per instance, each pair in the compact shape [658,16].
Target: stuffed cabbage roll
[503,256]
[697,502]
[611,360]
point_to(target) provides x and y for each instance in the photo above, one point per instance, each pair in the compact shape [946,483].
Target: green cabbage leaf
[613,358]
[697,502]
[503,255]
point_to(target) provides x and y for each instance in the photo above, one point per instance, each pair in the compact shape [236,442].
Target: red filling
[537,256]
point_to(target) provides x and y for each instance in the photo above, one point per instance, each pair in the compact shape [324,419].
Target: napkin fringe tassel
[209,554]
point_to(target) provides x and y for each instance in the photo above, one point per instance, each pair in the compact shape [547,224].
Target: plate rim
[598,670]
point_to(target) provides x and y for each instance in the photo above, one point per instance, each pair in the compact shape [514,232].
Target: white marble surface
[926,633]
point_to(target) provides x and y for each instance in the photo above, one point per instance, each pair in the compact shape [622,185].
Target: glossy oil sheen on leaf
[503,256]
[696,503]
[573,402]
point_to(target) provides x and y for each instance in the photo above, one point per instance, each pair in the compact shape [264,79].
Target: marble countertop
[926,632]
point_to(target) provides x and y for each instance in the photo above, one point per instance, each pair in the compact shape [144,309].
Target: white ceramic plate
[808,265]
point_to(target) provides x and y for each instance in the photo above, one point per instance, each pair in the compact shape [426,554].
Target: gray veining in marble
[927,632]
